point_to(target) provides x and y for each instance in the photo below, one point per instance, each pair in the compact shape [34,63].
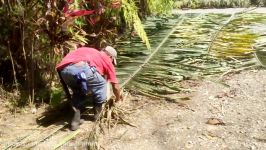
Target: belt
[82,63]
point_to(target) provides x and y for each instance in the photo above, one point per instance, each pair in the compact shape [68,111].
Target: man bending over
[87,70]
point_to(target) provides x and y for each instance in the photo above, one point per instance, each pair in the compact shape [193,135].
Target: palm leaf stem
[219,31]
[214,37]
[66,139]
[154,52]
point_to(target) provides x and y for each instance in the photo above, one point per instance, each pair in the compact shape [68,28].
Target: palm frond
[130,13]
[184,53]
[160,7]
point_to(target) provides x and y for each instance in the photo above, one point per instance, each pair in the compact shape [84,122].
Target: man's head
[110,51]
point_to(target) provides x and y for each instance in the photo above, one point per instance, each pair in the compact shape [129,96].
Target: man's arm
[117,92]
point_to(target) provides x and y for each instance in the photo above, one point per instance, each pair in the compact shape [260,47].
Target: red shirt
[98,59]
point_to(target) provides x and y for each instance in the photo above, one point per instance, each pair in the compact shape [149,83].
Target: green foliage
[34,34]
[56,96]
[160,7]
[130,13]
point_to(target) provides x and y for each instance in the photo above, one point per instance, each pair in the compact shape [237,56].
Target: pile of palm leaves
[111,116]
[217,3]
[237,39]
[202,45]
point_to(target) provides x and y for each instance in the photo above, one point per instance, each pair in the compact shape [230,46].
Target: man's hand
[121,98]
[117,92]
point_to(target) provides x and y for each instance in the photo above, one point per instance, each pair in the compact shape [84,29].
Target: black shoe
[76,121]
[81,121]
[97,111]
[75,125]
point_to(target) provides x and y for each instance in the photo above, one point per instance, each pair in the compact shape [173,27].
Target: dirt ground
[237,102]
[239,105]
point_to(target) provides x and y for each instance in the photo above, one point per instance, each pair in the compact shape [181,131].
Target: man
[87,70]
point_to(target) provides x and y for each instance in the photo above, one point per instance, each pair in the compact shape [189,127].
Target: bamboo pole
[49,135]
[18,142]
[32,74]
[13,65]
[66,139]
[22,31]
